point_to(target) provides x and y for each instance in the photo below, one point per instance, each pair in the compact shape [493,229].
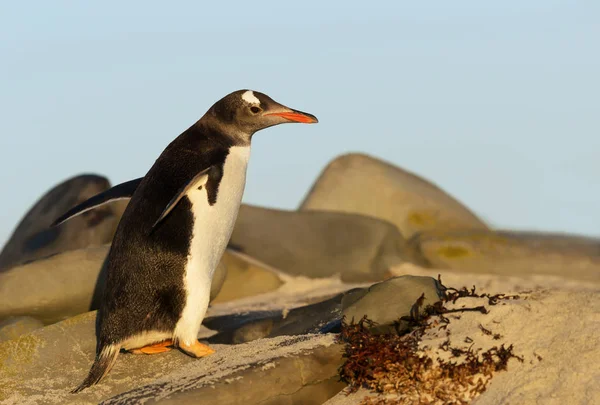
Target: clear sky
[496,102]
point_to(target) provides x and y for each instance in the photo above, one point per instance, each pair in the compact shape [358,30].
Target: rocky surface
[319,244]
[13,327]
[43,366]
[292,370]
[34,239]
[511,253]
[361,184]
[398,295]
[54,288]
[385,303]
[548,325]
[345,397]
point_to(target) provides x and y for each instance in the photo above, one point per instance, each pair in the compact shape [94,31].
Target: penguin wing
[197,181]
[121,191]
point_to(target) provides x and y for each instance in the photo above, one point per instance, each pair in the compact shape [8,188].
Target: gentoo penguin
[175,230]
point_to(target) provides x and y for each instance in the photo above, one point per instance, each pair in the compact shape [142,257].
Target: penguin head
[244,112]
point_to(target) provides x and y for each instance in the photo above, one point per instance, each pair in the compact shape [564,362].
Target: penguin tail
[104,361]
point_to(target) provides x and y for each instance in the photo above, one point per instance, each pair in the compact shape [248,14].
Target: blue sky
[496,102]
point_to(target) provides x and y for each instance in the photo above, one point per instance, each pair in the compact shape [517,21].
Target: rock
[321,317]
[245,277]
[272,382]
[61,286]
[345,397]
[360,184]
[384,303]
[52,289]
[319,244]
[12,328]
[42,367]
[512,253]
[552,330]
[34,239]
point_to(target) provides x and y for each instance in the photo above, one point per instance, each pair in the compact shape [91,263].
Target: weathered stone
[52,289]
[61,286]
[360,184]
[34,239]
[512,253]
[345,397]
[309,377]
[245,277]
[319,244]
[321,317]
[314,393]
[386,302]
[43,366]
[13,327]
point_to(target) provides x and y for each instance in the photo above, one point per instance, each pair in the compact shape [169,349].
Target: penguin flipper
[197,181]
[121,191]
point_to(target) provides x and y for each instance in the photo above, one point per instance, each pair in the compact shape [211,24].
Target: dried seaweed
[393,364]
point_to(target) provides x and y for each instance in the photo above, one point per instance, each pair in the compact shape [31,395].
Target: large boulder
[63,285]
[54,288]
[320,244]
[511,253]
[43,366]
[360,184]
[34,239]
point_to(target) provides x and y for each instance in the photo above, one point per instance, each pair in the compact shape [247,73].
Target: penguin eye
[255,110]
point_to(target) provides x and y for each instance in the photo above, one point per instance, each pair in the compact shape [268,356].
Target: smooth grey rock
[384,303]
[34,239]
[320,244]
[512,253]
[61,286]
[361,184]
[43,366]
[13,327]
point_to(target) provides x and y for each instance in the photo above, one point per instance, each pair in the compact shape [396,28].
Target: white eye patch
[250,98]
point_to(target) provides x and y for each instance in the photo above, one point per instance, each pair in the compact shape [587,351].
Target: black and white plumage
[175,230]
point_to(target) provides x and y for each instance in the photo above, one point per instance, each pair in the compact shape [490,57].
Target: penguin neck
[227,134]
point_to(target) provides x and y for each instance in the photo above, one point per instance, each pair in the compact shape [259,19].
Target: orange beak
[297,116]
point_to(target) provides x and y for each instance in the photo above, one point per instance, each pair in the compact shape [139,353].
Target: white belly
[213,226]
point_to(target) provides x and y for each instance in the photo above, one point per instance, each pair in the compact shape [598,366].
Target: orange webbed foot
[196,349]
[155,348]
